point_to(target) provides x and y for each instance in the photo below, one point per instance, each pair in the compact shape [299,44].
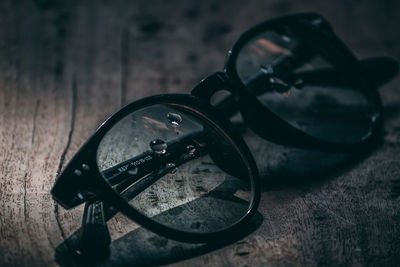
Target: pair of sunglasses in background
[176,165]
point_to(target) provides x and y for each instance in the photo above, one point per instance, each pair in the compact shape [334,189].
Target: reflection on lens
[302,86]
[193,181]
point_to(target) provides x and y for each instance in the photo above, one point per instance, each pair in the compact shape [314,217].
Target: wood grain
[67,65]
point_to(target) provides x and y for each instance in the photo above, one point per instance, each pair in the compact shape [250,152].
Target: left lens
[175,166]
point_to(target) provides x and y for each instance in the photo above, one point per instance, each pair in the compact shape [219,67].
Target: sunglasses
[177,165]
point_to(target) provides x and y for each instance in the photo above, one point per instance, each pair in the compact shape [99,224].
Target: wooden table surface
[67,65]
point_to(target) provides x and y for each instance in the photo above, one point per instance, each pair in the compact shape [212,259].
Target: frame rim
[107,194]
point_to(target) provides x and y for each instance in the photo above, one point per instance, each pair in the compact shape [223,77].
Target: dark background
[67,65]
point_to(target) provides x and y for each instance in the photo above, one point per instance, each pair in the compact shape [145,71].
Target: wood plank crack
[25,210]
[124,61]
[62,158]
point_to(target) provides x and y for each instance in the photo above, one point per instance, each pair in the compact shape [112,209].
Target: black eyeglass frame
[91,180]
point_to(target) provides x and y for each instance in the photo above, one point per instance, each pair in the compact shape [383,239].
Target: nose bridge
[207,87]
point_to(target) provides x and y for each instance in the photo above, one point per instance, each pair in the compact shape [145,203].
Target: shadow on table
[141,247]
[301,169]
[283,167]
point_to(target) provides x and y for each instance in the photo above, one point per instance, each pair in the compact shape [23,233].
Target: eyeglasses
[176,165]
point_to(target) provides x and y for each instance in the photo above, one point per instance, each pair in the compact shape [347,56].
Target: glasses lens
[175,167]
[306,85]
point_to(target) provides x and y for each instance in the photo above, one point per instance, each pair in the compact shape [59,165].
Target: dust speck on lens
[158,146]
[174,118]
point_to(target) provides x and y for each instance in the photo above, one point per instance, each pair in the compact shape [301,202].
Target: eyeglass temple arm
[143,164]
[377,71]
[94,238]
[121,177]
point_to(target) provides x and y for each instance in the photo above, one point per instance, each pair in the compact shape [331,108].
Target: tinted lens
[306,85]
[172,165]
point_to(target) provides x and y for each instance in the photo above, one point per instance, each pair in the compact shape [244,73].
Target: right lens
[306,84]
[176,167]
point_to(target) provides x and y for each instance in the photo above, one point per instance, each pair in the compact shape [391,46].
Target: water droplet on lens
[172,167]
[133,171]
[158,146]
[174,119]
